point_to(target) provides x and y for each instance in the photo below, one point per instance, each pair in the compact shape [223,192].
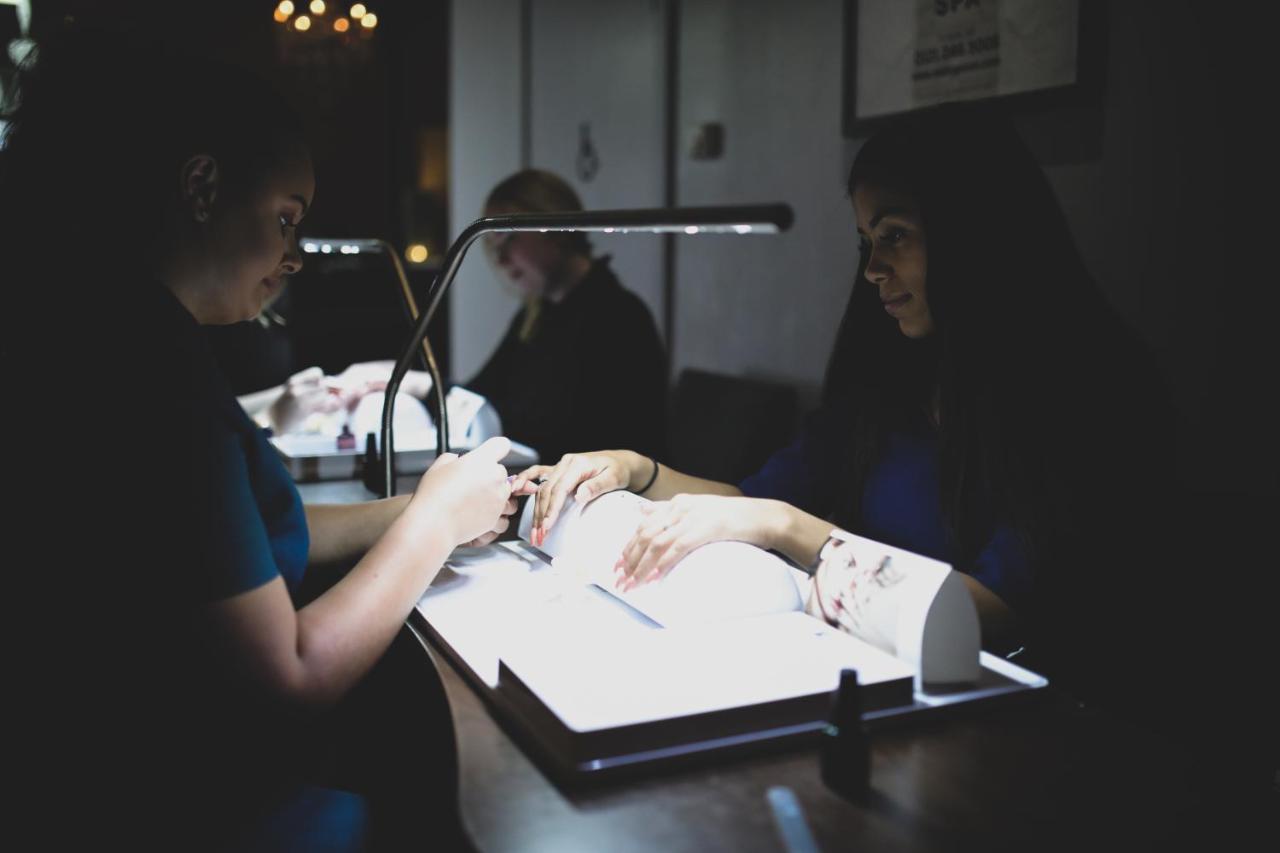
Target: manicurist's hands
[499,527]
[581,475]
[467,496]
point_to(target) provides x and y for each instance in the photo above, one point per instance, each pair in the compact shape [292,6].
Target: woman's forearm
[669,481]
[346,531]
[343,632]
[794,532]
[310,658]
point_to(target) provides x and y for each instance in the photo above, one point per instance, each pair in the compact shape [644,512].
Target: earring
[202,215]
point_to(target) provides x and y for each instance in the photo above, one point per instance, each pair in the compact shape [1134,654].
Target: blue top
[901,504]
[251,525]
[254,525]
[151,523]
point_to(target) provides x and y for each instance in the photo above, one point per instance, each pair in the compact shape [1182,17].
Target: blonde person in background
[581,364]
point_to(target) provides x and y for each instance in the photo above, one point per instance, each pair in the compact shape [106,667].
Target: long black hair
[1027,360]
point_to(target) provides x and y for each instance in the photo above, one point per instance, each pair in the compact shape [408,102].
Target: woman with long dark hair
[983,404]
[175,681]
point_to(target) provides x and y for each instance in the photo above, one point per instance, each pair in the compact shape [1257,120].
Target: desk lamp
[369,245]
[732,219]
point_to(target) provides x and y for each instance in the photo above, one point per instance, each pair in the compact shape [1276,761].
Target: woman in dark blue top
[172,687]
[983,405]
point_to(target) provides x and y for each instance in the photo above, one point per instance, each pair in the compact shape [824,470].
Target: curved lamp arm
[356,246]
[730,219]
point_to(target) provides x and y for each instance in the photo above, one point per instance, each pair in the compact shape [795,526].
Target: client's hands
[467,496]
[583,475]
[305,393]
[310,392]
[672,529]
[367,377]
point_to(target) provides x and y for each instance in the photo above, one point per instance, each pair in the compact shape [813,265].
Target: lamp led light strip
[730,220]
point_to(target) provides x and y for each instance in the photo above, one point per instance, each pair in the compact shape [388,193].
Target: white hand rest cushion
[472,419]
[721,580]
[411,422]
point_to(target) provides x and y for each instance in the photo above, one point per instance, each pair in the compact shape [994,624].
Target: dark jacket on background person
[592,375]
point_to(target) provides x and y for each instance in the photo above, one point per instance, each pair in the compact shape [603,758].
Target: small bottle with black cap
[845,754]
[372,475]
[347,439]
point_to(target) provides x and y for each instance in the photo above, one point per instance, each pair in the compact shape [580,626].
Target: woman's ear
[199,186]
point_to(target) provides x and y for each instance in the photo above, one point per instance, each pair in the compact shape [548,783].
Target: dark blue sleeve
[803,474]
[1004,568]
[230,546]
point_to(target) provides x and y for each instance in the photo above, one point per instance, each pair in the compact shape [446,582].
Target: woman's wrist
[423,526]
[430,515]
[639,469]
[773,524]
[794,532]
[650,480]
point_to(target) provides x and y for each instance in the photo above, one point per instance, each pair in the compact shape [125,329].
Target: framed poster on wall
[904,55]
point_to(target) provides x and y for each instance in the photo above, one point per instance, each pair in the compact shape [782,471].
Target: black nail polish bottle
[373,476]
[846,750]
